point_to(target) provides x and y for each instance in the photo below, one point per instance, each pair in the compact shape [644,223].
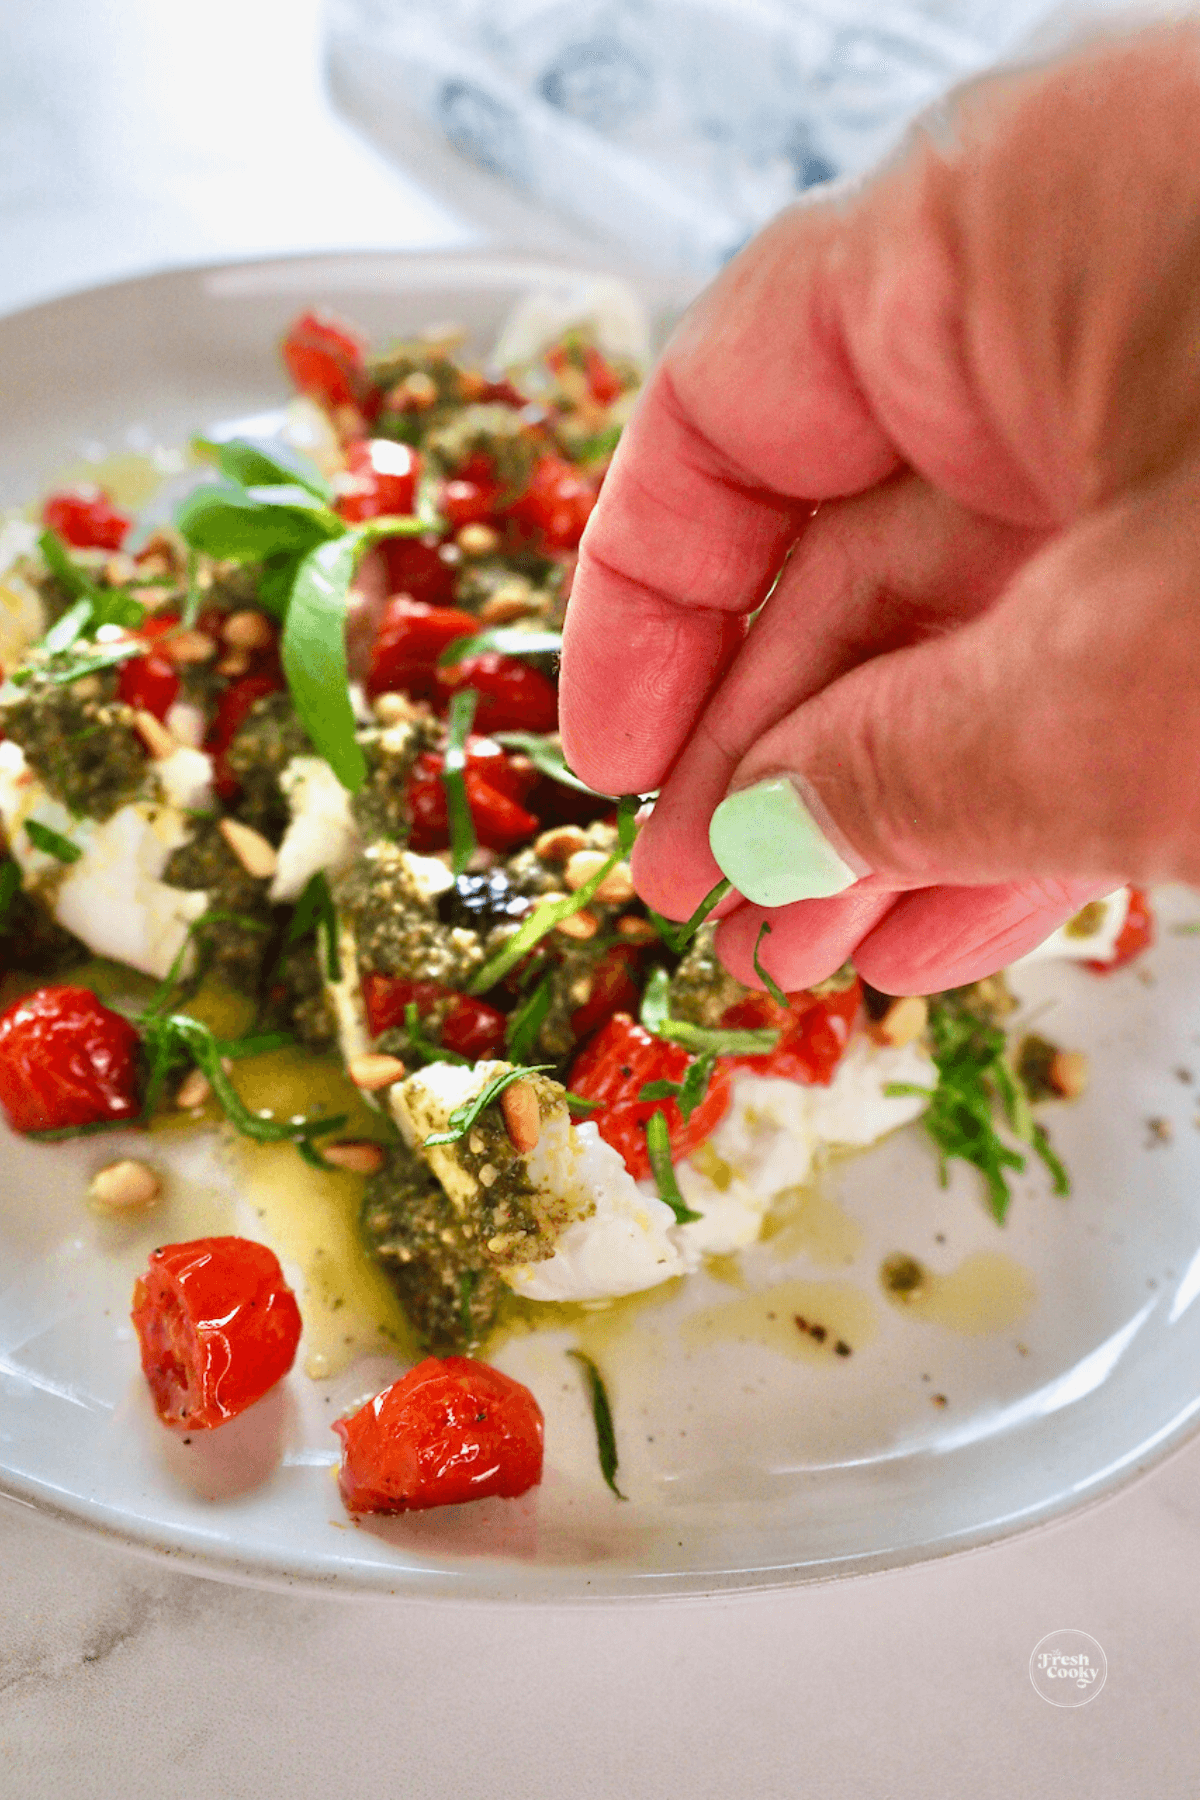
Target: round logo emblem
[1068,1668]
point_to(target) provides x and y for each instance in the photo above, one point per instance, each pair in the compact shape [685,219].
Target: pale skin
[983,654]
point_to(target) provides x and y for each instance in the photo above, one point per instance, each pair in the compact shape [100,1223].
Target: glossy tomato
[66,1060]
[512,695]
[813,1033]
[86,517]
[412,635]
[500,823]
[620,1060]
[416,567]
[233,709]
[470,1027]
[556,504]
[1136,934]
[326,359]
[613,990]
[449,1431]
[218,1327]
[472,495]
[380,478]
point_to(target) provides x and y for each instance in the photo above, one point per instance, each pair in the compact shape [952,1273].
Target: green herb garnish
[658,1143]
[464,1116]
[505,639]
[266,462]
[104,656]
[315,912]
[459,721]
[524,1024]
[655,1016]
[769,982]
[52,843]
[580,1102]
[677,937]
[466,1289]
[248,524]
[606,1440]
[94,605]
[10,887]
[423,1046]
[532,929]
[64,632]
[545,753]
[687,1093]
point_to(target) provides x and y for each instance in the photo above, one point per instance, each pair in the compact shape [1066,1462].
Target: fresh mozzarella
[322,834]
[345,997]
[186,723]
[1091,936]
[607,305]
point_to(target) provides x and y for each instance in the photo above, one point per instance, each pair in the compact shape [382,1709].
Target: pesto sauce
[259,753]
[379,808]
[701,989]
[78,738]
[232,953]
[396,931]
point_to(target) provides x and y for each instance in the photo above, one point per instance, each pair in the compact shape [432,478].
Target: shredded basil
[507,640]
[466,1289]
[655,1016]
[193,598]
[423,1046]
[677,937]
[464,1116]
[769,982]
[52,843]
[595,449]
[532,929]
[64,632]
[459,721]
[606,1440]
[545,753]
[580,1102]
[687,1093]
[658,1143]
[94,605]
[10,887]
[105,656]
[267,462]
[315,912]
[524,1024]
[66,571]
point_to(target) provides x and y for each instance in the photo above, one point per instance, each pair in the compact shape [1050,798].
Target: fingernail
[768,843]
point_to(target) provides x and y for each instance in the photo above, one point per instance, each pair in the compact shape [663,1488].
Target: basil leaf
[423,1046]
[193,599]
[606,1440]
[464,1116]
[506,640]
[627,811]
[94,605]
[658,1143]
[73,623]
[454,762]
[65,570]
[595,449]
[105,656]
[243,525]
[688,1093]
[521,1032]
[655,1016]
[10,887]
[52,843]
[267,462]
[656,1002]
[545,753]
[772,986]
[677,937]
[1042,1148]
[532,929]
[315,912]
[580,1102]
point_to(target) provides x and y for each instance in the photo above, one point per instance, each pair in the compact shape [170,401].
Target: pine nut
[617,885]
[248,630]
[233,663]
[477,540]
[120,570]
[372,1072]
[256,853]
[582,924]
[904,1020]
[395,709]
[188,647]
[1068,1073]
[472,385]
[124,1186]
[560,842]
[194,1090]
[154,734]
[357,1155]
[522,1116]
[416,393]
[502,609]
[636,930]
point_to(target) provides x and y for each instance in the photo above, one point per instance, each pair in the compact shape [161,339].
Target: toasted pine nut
[560,842]
[154,734]
[477,540]
[522,1116]
[582,924]
[256,853]
[1068,1073]
[119,570]
[636,930]
[234,662]
[416,393]
[193,1090]
[373,1072]
[617,884]
[357,1155]
[502,609]
[904,1020]
[124,1186]
[188,647]
[471,384]
[395,709]
[248,630]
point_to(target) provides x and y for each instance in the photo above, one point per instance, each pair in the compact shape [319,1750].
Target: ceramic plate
[1050,1362]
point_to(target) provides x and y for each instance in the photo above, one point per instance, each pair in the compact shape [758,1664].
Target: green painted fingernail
[772,849]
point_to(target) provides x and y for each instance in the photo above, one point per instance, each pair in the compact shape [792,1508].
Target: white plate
[744,1466]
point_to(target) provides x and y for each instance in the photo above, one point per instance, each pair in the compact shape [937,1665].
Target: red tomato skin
[325,359]
[474,1029]
[218,1327]
[149,683]
[1136,935]
[412,635]
[556,505]
[449,1431]
[466,500]
[85,517]
[417,569]
[469,1026]
[613,990]
[381,478]
[616,1065]
[233,709]
[602,378]
[500,823]
[512,696]
[814,1033]
[66,1060]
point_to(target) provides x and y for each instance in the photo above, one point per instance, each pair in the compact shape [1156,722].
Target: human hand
[979,673]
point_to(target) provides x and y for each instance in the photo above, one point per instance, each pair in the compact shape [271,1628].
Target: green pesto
[533,580]
[33,940]
[297,998]
[378,808]
[77,736]
[396,931]
[260,752]
[232,952]
[498,432]
[702,990]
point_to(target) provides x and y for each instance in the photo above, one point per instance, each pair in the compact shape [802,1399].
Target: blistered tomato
[556,505]
[512,695]
[613,989]
[417,568]
[449,1431]
[66,1060]
[218,1327]
[233,709]
[621,1059]
[470,1027]
[500,822]
[813,1033]
[1136,934]
[87,518]
[412,635]
[472,495]
[326,359]
[380,478]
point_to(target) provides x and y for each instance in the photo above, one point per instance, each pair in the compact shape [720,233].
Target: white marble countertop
[133,135]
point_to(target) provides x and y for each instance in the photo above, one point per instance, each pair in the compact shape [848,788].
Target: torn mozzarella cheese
[1091,936]
[321,835]
[112,897]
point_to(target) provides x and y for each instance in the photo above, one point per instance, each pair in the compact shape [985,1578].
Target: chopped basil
[507,640]
[226,520]
[423,1046]
[655,1016]
[267,462]
[658,1143]
[597,448]
[687,1093]
[466,1289]
[94,605]
[627,811]
[315,912]
[65,570]
[10,887]
[677,937]
[545,753]
[64,632]
[772,986]
[606,1440]
[52,843]
[464,1116]
[524,1024]
[459,721]
[580,1102]
[193,599]
[532,929]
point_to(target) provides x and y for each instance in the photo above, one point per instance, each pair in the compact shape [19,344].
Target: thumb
[1056,736]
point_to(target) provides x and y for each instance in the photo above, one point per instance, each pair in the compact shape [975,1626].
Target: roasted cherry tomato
[450,1430]
[233,709]
[325,358]
[620,1060]
[813,1033]
[604,384]
[472,495]
[66,1060]
[381,477]
[500,823]
[1136,934]
[469,1026]
[556,504]
[411,636]
[417,568]
[87,518]
[218,1327]
[512,695]
[613,990]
